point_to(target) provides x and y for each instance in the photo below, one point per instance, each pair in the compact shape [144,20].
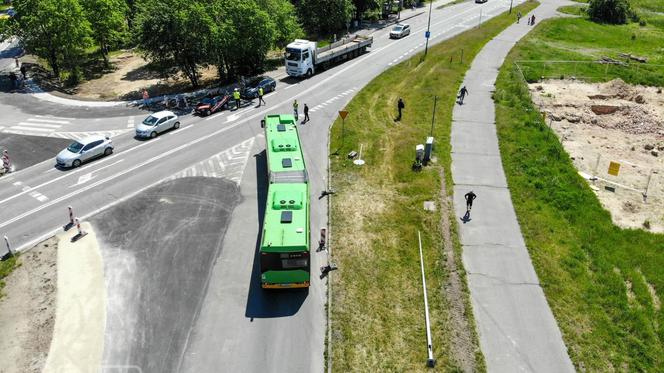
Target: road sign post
[428,33]
[342,114]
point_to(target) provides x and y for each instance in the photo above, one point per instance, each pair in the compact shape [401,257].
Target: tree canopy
[609,11]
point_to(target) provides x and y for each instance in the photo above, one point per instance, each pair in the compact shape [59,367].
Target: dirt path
[615,122]
[27,311]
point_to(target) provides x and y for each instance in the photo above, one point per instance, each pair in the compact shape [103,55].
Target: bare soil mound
[601,123]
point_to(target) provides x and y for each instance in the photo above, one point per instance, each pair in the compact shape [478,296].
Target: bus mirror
[262,123]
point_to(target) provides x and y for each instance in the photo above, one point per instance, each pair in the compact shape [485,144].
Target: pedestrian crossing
[50,126]
[229,164]
[331,100]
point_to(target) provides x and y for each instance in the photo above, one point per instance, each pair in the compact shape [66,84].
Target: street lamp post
[426,47]
[433,115]
[511,6]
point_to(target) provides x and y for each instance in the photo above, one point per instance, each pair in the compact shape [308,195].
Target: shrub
[609,11]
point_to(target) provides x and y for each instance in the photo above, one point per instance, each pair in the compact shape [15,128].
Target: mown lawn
[377,321]
[6,268]
[603,283]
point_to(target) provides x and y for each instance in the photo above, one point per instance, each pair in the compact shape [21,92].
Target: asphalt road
[238,326]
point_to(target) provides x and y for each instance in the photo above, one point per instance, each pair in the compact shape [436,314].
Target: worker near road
[260,96]
[400,106]
[236,96]
[295,106]
[518,17]
[306,114]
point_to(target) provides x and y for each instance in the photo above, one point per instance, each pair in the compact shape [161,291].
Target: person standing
[236,97]
[146,96]
[532,20]
[528,21]
[306,113]
[518,17]
[470,197]
[400,106]
[24,72]
[462,93]
[295,106]
[260,96]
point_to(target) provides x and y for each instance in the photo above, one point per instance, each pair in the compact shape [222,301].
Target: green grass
[577,39]
[452,3]
[6,268]
[574,10]
[595,275]
[377,309]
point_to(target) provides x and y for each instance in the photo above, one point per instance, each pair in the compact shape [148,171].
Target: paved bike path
[517,330]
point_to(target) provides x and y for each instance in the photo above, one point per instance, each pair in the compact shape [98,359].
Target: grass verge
[602,282]
[6,268]
[377,308]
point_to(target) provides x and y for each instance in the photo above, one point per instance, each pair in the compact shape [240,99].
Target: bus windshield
[293,54]
[284,261]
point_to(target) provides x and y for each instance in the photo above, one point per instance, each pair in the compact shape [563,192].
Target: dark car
[251,89]
[480,1]
[212,105]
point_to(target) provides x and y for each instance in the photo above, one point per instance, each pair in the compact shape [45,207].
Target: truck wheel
[309,73]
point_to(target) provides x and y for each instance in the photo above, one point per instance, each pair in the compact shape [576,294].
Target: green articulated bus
[285,238]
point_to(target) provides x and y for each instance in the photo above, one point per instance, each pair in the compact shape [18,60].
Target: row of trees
[234,36]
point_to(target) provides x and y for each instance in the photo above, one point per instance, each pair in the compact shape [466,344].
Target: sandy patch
[28,309]
[609,122]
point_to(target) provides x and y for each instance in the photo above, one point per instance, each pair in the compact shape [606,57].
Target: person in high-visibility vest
[295,106]
[236,96]
[260,96]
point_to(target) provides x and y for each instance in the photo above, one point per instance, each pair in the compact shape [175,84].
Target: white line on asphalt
[39,125]
[87,177]
[291,86]
[51,117]
[31,128]
[73,172]
[48,121]
[181,129]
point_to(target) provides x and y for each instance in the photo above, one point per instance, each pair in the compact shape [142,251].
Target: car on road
[211,105]
[84,150]
[400,30]
[156,123]
[251,89]
[480,1]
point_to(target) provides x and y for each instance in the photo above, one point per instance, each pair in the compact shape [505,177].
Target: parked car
[156,123]
[84,150]
[399,31]
[212,105]
[251,89]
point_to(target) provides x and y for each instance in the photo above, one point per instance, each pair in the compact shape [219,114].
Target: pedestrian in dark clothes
[518,17]
[532,20]
[528,21]
[306,114]
[462,93]
[400,106]
[470,197]
[24,71]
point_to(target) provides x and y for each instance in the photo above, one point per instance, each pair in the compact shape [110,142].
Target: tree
[609,11]
[108,23]
[243,36]
[282,13]
[176,34]
[325,16]
[55,30]
[362,6]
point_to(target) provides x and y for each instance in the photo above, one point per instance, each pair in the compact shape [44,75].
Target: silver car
[399,31]
[84,150]
[157,123]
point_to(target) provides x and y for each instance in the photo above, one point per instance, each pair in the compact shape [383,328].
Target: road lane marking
[52,117]
[87,177]
[20,128]
[48,121]
[291,86]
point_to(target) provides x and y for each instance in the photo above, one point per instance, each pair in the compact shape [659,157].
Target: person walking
[146,96]
[518,17]
[295,106]
[532,20]
[306,113]
[400,106]
[236,97]
[528,21]
[470,197]
[260,96]
[462,93]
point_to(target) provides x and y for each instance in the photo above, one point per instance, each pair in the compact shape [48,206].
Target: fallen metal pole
[431,362]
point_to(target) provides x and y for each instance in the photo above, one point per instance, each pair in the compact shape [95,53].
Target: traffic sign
[343,114]
[427,34]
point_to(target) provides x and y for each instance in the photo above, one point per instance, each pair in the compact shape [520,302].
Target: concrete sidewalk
[516,327]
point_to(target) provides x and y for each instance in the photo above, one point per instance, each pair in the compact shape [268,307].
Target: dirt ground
[129,79]
[600,123]
[27,312]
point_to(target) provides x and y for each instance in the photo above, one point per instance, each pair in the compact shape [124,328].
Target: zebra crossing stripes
[331,100]
[229,164]
[82,135]
[38,125]
[130,122]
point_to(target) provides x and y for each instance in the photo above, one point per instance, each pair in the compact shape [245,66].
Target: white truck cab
[303,57]
[300,58]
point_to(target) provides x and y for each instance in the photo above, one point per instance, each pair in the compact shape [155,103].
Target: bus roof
[282,144]
[286,224]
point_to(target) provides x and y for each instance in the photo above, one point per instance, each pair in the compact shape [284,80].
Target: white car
[157,123]
[84,150]
[399,31]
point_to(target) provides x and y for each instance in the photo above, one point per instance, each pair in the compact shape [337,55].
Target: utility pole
[511,6]
[433,116]
[426,47]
